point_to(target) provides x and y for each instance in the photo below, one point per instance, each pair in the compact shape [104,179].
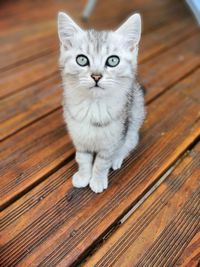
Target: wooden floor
[149,216]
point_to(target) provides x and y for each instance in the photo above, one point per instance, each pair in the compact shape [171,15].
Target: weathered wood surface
[28,157]
[44,220]
[163,227]
[11,121]
[37,69]
[27,108]
[29,105]
[190,256]
[70,226]
[45,26]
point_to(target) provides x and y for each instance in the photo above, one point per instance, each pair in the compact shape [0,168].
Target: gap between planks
[109,251]
[164,157]
[41,178]
[187,73]
[138,202]
[171,24]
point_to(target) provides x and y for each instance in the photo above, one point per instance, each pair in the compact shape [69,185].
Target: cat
[103,102]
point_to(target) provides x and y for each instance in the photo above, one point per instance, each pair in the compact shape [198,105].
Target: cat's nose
[96,77]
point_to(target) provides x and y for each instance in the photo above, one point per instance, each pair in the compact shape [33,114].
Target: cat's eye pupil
[112,61]
[82,60]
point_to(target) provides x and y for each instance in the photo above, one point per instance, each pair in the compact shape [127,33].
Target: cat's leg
[83,176]
[131,141]
[99,180]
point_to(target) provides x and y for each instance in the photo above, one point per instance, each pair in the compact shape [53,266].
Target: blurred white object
[195,7]
[88,9]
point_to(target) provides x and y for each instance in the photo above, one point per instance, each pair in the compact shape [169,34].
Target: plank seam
[57,255]
[143,220]
[42,178]
[29,85]
[27,60]
[160,246]
[173,84]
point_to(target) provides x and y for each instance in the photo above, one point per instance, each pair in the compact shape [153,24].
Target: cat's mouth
[96,87]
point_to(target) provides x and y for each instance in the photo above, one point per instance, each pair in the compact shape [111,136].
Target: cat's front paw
[79,180]
[117,163]
[98,184]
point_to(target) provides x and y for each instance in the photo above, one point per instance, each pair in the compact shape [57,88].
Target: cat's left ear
[67,29]
[131,30]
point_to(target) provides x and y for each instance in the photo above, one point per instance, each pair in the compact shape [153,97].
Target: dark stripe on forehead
[88,48]
[103,37]
[97,39]
[107,49]
[89,35]
[98,43]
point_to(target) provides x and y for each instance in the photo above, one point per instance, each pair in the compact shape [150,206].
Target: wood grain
[152,44]
[44,221]
[190,256]
[6,177]
[32,154]
[166,69]
[35,36]
[162,228]
[65,222]
[29,105]
[27,43]
[24,76]
[154,11]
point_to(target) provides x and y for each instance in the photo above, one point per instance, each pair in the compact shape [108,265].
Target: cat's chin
[97,91]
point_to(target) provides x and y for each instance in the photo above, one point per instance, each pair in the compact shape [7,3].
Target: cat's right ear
[67,29]
[131,30]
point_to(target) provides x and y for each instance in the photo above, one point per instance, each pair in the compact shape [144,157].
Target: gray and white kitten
[103,102]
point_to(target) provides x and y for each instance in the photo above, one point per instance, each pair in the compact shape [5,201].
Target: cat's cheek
[70,69]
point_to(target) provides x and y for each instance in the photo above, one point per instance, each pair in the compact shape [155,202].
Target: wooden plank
[26,50]
[159,231]
[21,46]
[12,38]
[47,226]
[191,255]
[27,12]
[36,38]
[164,70]
[30,104]
[158,12]
[24,76]
[9,154]
[9,148]
[154,42]
[30,41]
[27,42]
[12,122]
[32,154]
[154,13]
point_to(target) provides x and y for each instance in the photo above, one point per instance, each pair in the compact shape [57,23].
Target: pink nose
[96,77]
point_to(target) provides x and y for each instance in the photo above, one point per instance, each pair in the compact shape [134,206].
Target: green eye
[82,60]
[112,61]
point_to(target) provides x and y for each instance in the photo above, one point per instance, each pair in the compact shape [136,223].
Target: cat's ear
[67,29]
[131,30]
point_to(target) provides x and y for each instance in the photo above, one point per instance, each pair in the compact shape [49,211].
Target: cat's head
[99,62]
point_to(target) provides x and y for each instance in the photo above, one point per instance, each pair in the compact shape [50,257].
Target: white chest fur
[94,126]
